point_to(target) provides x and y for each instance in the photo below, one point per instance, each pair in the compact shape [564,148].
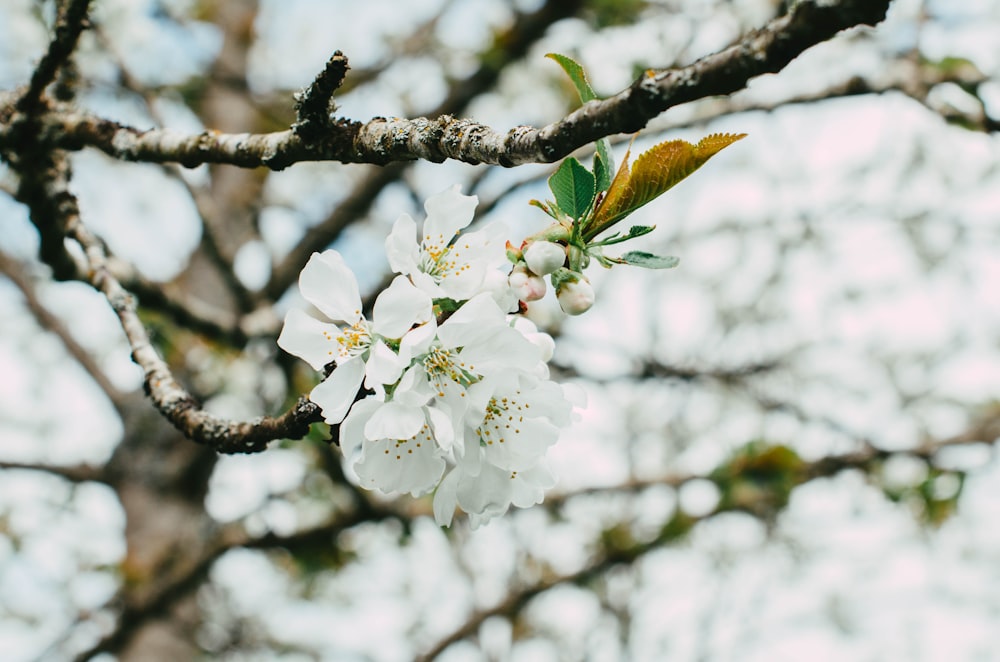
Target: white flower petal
[384,365]
[394,420]
[447,212]
[444,431]
[401,465]
[418,340]
[486,496]
[413,388]
[427,284]
[528,487]
[352,433]
[472,322]
[401,245]
[503,349]
[446,499]
[399,307]
[309,339]
[327,283]
[336,393]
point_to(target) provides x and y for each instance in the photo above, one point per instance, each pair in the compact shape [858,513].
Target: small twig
[70,23]
[315,104]
[18,274]
[75,474]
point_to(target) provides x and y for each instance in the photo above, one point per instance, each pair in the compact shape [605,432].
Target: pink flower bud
[575,296]
[526,285]
[544,257]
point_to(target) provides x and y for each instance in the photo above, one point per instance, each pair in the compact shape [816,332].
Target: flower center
[354,340]
[444,369]
[503,419]
[438,258]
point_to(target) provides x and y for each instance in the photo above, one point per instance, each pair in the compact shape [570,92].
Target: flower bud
[526,285]
[544,257]
[576,295]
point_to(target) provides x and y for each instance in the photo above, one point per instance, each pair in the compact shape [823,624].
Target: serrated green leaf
[573,186]
[602,171]
[607,164]
[639,230]
[576,74]
[649,261]
[655,171]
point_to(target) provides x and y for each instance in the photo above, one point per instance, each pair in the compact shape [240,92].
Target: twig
[612,554]
[17,274]
[71,22]
[169,397]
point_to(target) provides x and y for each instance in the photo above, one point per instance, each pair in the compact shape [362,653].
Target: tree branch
[169,397]
[619,549]
[514,43]
[71,22]
[17,274]
[386,140]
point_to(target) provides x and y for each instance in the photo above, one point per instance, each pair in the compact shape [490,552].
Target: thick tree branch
[385,140]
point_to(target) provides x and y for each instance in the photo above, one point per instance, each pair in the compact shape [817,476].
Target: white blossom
[412,464]
[516,418]
[358,347]
[490,493]
[445,263]
[461,406]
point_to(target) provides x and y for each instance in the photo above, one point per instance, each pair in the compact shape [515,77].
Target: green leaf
[573,186]
[604,165]
[655,171]
[576,74]
[639,230]
[649,261]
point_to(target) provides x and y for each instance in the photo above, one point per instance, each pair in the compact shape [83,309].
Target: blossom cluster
[443,390]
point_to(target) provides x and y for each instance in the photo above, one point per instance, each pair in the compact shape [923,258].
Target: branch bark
[386,140]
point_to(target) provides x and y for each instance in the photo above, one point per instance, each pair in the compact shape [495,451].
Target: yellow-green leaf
[576,74]
[654,172]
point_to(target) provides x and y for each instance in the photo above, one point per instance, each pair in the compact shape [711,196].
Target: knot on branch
[314,105]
